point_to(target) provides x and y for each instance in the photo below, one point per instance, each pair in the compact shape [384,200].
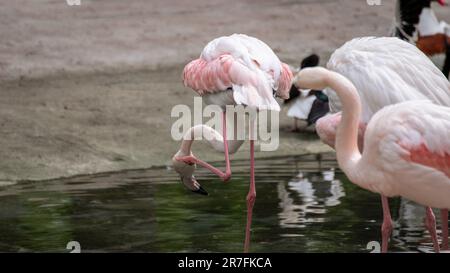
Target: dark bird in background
[319,107]
[413,19]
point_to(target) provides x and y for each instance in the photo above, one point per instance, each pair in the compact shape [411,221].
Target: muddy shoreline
[89,89]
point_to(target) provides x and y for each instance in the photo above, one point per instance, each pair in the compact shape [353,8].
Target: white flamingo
[407,145]
[385,71]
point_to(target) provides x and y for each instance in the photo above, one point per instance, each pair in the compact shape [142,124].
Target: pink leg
[444,225]
[251,197]
[225,176]
[430,223]
[386,227]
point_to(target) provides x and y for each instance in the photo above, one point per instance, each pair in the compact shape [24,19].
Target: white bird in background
[417,23]
[236,69]
[407,145]
[385,71]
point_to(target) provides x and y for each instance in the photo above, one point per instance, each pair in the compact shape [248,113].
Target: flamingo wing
[243,63]
[407,153]
[414,132]
[386,71]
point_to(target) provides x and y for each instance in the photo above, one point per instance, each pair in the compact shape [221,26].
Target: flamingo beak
[201,191]
[192,184]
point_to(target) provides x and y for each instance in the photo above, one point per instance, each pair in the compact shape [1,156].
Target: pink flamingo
[385,71]
[407,149]
[231,70]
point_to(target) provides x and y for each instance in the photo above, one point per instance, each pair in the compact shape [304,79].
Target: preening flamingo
[406,145]
[385,71]
[417,23]
[236,69]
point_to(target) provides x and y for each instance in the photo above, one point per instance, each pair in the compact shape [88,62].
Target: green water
[303,204]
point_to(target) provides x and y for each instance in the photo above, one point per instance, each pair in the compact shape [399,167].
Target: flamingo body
[385,71]
[236,69]
[407,153]
[241,63]
[406,150]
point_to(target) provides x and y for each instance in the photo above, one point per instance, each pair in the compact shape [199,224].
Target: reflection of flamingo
[410,226]
[385,71]
[316,193]
[407,150]
[237,69]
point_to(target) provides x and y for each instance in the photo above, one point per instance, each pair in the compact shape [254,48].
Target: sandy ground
[90,88]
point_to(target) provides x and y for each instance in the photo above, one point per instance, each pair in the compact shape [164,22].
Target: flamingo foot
[430,224]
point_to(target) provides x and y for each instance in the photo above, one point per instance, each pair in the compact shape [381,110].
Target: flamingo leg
[224,176]
[444,224]
[430,223]
[251,197]
[386,227]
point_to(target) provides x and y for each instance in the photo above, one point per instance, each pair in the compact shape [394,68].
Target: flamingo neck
[214,138]
[347,150]
[200,132]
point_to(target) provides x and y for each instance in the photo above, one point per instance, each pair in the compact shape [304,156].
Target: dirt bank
[89,88]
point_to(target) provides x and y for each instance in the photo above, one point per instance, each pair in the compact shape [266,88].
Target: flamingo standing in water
[231,70]
[407,149]
[385,71]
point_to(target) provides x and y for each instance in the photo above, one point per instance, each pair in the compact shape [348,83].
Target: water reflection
[411,228]
[303,204]
[307,196]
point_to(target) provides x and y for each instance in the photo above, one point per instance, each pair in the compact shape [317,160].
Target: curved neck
[346,147]
[214,138]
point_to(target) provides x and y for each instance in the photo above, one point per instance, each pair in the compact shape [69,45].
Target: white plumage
[386,71]
[244,64]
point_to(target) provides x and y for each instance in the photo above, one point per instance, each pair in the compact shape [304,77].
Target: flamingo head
[186,170]
[284,83]
[326,128]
